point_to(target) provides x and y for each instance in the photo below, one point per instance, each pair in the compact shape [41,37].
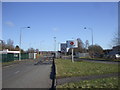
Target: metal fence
[11,57]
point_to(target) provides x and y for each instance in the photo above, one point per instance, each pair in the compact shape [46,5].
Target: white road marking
[17,72]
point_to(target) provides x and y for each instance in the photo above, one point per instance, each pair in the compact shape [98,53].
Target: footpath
[80,78]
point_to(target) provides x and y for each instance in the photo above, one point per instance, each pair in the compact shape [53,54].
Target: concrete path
[27,75]
[98,61]
[80,78]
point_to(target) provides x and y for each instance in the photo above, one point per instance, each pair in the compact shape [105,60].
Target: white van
[117,55]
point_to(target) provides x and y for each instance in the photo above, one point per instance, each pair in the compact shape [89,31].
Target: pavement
[27,75]
[98,61]
[81,78]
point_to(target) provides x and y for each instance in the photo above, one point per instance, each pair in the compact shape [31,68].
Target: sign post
[72,44]
[72,56]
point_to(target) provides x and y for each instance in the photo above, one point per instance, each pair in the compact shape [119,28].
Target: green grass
[65,68]
[111,82]
[12,62]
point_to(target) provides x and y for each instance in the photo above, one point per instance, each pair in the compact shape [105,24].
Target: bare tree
[80,45]
[31,50]
[86,44]
[37,50]
[116,39]
[10,45]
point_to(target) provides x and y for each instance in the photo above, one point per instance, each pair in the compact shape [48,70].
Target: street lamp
[1,43]
[54,46]
[20,40]
[92,39]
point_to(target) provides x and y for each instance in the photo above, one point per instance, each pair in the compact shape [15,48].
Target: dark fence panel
[11,57]
[24,56]
[7,57]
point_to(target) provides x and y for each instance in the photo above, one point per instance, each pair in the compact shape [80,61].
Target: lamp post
[20,40]
[1,43]
[92,39]
[55,45]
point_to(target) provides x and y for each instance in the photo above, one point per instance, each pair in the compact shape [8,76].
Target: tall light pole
[20,40]
[92,39]
[1,43]
[55,45]
[58,46]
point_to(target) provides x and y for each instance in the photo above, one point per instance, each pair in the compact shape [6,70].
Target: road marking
[17,72]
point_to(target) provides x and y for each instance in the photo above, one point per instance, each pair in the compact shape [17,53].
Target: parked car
[115,56]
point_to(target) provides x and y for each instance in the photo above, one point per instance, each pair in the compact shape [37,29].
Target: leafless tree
[86,44]
[31,50]
[10,45]
[116,39]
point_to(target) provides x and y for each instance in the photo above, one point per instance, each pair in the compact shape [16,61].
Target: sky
[63,20]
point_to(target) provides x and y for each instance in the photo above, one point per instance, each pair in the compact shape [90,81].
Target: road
[27,75]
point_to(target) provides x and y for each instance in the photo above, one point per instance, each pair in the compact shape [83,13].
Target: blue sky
[63,20]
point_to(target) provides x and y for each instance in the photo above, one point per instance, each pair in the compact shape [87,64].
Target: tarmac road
[27,75]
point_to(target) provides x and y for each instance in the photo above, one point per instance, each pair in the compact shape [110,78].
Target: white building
[7,51]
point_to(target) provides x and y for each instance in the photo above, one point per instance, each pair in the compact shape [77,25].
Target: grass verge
[65,68]
[111,82]
[14,62]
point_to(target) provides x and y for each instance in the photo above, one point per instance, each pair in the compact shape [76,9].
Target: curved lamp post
[20,40]
[92,38]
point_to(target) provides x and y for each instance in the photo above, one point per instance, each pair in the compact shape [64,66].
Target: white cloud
[9,23]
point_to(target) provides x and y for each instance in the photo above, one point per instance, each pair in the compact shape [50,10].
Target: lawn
[65,68]
[111,82]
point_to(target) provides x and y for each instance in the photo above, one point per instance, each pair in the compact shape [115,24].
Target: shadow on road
[53,76]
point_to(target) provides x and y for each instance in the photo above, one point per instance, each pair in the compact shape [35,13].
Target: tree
[80,45]
[116,39]
[22,51]
[10,45]
[1,43]
[95,50]
[37,50]
[86,44]
[17,48]
[31,50]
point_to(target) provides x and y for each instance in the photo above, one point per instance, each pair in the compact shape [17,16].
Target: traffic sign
[63,47]
[72,43]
